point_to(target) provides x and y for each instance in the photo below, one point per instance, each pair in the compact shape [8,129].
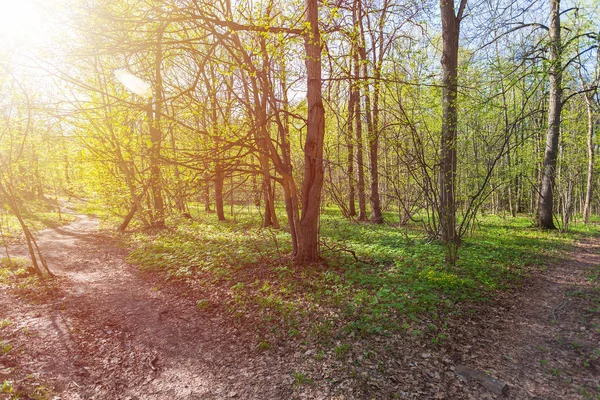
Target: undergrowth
[18,277]
[398,283]
[37,215]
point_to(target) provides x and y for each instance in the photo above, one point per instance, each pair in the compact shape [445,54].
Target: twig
[337,248]
[558,307]
[494,385]
[152,363]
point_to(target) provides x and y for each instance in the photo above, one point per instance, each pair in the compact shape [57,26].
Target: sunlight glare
[133,83]
[19,22]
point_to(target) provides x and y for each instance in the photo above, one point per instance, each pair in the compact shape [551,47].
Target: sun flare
[19,21]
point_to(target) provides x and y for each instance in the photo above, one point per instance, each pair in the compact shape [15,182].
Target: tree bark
[372,129]
[360,167]
[154,117]
[546,198]
[450,36]
[590,166]
[219,183]
[350,140]
[308,226]
[290,191]
[270,217]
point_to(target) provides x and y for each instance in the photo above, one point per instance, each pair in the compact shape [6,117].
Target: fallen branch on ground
[494,385]
[558,307]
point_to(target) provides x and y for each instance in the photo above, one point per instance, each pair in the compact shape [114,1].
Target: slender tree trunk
[546,199]
[154,118]
[219,177]
[179,195]
[290,191]
[308,237]
[206,188]
[372,133]
[219,184]
[129,216]
[450,36]
[270,217]
[32,247]
[590,166]
[350,140]
[158,219]
[360,167]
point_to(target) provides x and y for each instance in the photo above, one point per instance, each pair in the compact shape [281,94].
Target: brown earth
[105,331]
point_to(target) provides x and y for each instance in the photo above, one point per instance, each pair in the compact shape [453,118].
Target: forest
[373,198]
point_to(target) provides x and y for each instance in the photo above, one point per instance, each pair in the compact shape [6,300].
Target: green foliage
[399,281]
[203,304]
[17,275]
[7,387]
[38,215]
[342,350]
[5,348]
[301,379]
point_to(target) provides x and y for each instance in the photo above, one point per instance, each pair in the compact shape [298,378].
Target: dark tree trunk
[270,217]
[129,216]
[290,191]
[158,218]
[32,246]
[308,226]
[350,140]
[546,198]
[219,183]
[590,166]
[372,134]
[207,196]
[154,117]
[360,166]
[450,36]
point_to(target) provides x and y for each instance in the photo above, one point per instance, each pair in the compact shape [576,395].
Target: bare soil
[106,331]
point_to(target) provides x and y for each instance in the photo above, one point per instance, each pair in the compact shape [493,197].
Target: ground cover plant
[373,279]
[37,215]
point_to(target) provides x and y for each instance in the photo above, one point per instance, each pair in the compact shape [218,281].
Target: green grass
[399,282]
[18,276]
[109,217]
[301,379]
[37,215]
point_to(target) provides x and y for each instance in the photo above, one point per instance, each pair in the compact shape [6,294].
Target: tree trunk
[262,132]
[450,36]
[360,166]
[158,219]
[32,246]
[308,226]
[350,139]
[546,199]
[590,166]
[372,134]
[290,191]
[129,216]
[207,196]
[154,117]
[219,183]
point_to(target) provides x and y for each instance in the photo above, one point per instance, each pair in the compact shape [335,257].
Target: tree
[450,36]
[308,238]
[555,103]
[590,88]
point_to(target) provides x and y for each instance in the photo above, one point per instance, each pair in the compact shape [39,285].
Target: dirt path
[544,341]
[109,333]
